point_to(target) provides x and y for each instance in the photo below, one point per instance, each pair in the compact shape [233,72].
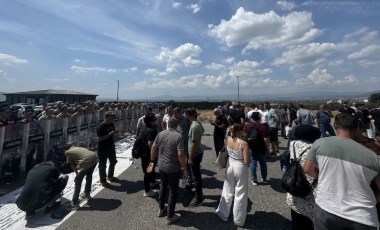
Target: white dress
[235,188]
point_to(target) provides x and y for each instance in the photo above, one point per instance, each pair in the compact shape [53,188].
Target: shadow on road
[101,204]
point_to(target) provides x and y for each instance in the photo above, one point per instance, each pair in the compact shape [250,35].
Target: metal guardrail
[22,145]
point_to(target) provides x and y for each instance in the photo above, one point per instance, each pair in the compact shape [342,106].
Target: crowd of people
[341,166]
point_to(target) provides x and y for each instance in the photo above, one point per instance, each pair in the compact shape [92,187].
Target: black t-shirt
[39,187]
[347,111]
[103,130]
[236,116]
[375,113]
[292,113]
[220,120]
[148,135]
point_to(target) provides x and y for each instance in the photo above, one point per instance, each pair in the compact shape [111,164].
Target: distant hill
[296,96]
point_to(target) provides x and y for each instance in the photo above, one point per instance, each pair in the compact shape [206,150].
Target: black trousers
[218,144]
[103,155]
[324,221]
[196,168]
[148,177]
[300,222]
[169,181]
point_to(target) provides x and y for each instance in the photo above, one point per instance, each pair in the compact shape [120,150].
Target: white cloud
[131,69]
[181,52]
[79,61]
[285,5]
[350,79]
[176,5]
[316,77]
[367,63]
[229,60]
[195,7]
[266,30]
[10,59]
[363,34]
[312,53]
[215,66]
[189,61]
[171,70]
[365,52]
[78,69]
[265,82]
[155,73]
[57,79]
[190,81]
[247,69]
[185,54]
[336,62]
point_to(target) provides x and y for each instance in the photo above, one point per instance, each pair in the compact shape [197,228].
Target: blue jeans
[328,128]
[261,158]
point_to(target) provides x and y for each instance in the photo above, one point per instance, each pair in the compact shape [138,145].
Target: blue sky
[163,47]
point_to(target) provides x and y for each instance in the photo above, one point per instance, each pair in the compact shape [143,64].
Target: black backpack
[294,180]
[138,146]
[254,138]
[253,133]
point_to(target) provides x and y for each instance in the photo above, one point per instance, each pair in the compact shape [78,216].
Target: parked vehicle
[20,107]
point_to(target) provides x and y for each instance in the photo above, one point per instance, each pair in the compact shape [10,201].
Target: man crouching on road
[43,186]
[168,148]
[83,162]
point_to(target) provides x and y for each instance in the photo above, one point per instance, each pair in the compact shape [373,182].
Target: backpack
[59,212]
[294,180]
[138,147]
[254,138]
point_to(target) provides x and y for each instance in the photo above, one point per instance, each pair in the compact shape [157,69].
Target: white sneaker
[150,193]
[254,183]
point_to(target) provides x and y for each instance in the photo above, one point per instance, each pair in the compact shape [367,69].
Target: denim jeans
[324,220]
[196,168]
[328,128]
[261,158]
[170,180]
[78,183]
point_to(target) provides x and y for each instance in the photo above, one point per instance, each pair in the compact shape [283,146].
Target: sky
[188,48]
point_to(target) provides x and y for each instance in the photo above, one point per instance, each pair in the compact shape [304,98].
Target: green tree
[374,98]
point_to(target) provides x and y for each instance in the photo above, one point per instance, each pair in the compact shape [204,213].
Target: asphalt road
[124,207]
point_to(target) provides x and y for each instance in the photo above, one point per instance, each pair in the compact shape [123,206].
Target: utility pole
[117,94]
[237,77]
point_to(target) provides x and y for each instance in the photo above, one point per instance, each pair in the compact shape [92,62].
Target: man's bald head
[217,112]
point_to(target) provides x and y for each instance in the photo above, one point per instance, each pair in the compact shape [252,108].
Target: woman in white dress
[236,178]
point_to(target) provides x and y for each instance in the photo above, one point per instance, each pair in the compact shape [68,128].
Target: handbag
[221,160]
[294,180]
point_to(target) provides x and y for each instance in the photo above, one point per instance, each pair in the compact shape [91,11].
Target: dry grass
[206,115]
